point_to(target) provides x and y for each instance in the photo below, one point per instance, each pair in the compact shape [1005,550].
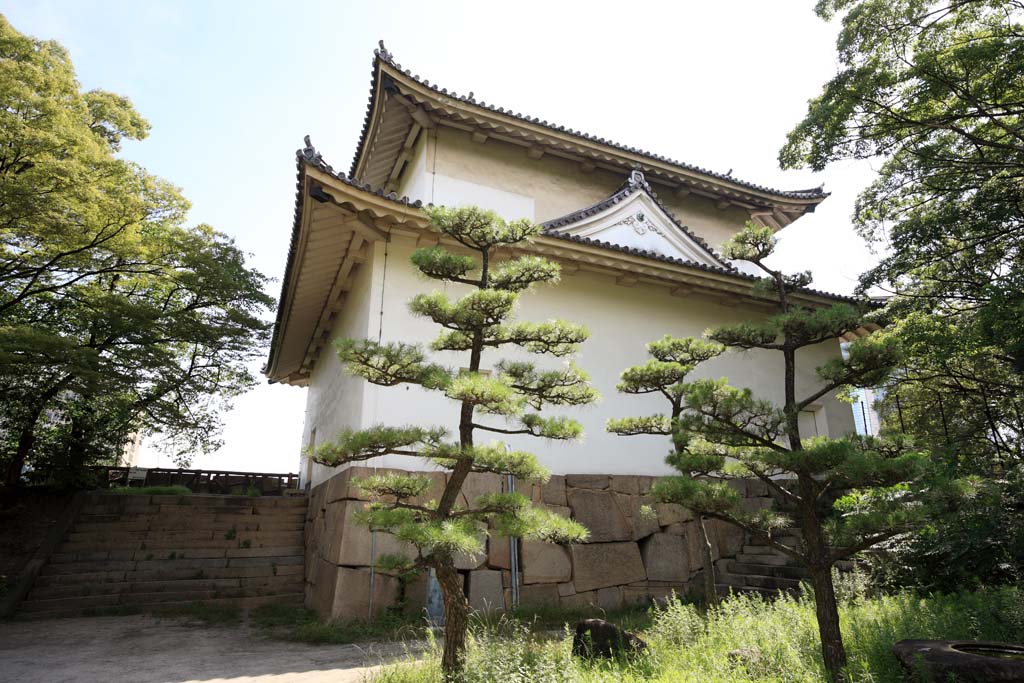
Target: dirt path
[145,649]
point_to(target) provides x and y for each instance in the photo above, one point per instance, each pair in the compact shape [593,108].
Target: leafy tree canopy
[115,318]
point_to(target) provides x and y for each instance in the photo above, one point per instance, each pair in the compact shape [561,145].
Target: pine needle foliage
[842,495]
[507,400]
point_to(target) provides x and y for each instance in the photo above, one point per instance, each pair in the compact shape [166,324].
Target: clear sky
[230,88]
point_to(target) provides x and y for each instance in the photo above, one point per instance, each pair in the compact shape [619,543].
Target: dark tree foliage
[935,90]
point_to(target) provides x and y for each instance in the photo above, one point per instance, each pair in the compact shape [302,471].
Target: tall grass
[688,646]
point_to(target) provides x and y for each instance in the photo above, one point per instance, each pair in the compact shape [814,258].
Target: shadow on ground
[147,649]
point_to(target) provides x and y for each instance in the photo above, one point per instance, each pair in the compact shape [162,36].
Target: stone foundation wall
[630,559]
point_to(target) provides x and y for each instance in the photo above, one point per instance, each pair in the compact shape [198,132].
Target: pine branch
[494,458]
[633,426]
[355,446]
[556,428]
[567,386]
[440,264]
[522,273]
[555,337]
[390,364]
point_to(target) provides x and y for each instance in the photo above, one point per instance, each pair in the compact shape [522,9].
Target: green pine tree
[843,495]
[672,359]
[515,391]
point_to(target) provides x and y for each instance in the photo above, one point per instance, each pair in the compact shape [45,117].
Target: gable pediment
[634,218]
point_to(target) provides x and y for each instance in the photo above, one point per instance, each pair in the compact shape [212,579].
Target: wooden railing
[201,481]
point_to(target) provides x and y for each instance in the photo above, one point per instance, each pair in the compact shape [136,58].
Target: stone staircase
[761,569]
[141,551]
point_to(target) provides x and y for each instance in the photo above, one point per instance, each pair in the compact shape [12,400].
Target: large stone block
[755,505]
[645,483]
[349,543]
[538,595]
[628,484]
[642,524]
[320,586]
[498,552]
[434,491]
[340,486]
[553,492]
[587,481]
[485,591]
[610,598]
[730,539]
[477,484]
[670,513]
[598,511]
[665,558]
[416,593]
[545,563]
[579,600]
[598,565]
[465,561]
[563,510]
[693,541]
[347,593]
[756,487]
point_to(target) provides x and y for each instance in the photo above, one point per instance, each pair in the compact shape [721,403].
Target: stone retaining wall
[630,559]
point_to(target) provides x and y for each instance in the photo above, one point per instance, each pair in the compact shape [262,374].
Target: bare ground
[147,649]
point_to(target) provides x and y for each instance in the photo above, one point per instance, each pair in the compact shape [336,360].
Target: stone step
[184,595]
[288,583]
[171,573]
[154,549]
[195,500]
[756,569]
[55,609]
[771,582]
[156,539]
[251,557]
[249,524]
[777,559]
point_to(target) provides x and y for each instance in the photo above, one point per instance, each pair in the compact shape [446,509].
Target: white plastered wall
[448,167]
[334,399]
[620,319]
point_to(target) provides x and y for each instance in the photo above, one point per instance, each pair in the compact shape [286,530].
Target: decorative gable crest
[634,218]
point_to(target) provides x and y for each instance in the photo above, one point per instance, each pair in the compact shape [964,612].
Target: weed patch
[294,623]
[150,490]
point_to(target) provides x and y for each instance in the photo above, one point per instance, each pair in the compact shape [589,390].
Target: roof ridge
[382,54]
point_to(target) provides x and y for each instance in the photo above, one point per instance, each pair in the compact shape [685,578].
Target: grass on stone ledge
[689,646]
[150,490]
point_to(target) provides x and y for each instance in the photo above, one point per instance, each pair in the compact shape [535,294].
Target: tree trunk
[710,593]
[456,619]
[832,650]
[26,440]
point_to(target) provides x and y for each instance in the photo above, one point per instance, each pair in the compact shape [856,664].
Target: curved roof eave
[627,157]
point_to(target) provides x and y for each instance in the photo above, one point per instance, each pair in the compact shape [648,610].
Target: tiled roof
[655,256]
[309,155]
[303,156]
[383,55]
[635,183]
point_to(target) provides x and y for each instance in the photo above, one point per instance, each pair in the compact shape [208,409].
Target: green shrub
[690,646]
